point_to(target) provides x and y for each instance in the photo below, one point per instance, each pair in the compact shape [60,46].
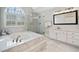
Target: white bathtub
[7,41]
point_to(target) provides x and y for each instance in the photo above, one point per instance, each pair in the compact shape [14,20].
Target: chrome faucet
[17,39]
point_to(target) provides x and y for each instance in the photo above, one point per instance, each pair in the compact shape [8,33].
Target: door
[70,37]
[61,35]
[76,39]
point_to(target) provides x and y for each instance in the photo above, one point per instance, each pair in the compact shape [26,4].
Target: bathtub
[6,42]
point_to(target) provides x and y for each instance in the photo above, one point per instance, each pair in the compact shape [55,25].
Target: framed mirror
[66,18]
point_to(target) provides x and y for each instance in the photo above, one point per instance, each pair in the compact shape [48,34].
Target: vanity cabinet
[65,36]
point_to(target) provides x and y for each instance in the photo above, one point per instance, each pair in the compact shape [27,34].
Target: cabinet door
[76,39]
[52,34]
[61,35]
[70,37]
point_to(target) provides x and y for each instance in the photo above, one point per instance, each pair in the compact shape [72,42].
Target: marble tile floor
[56,46]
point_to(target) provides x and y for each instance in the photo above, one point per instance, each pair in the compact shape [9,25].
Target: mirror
[66,18]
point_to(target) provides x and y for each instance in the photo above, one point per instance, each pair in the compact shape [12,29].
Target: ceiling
[40,9]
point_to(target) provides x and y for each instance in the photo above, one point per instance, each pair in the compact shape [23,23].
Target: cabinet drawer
[69,37]
[76,37]
[76,41]
[76,34]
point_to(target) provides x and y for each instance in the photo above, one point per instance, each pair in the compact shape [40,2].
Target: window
[14,15]
[14,10]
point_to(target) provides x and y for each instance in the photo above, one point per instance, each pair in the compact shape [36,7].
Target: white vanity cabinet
[64,36]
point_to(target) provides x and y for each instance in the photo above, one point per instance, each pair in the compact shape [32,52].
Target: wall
[47,15]
[17,29]
[28,12]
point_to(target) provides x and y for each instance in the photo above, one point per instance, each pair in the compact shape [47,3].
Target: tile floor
[56,46]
